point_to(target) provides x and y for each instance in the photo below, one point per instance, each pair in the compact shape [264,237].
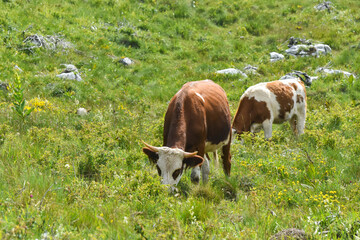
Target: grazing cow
[272,102]
[197,121]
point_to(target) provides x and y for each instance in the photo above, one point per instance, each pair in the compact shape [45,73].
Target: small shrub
[60,89]
[221,16]
[90,165]
[246,184]
[18,101]
[227,188]
[206,193]
[4,128]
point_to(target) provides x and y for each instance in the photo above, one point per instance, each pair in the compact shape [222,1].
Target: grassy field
[64,176]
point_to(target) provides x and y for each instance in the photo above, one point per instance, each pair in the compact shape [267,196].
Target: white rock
[70,68]
[328,71]
[250,70]
[274,56]
[232,71]
[16,67]
[48,42]
[126,61]
[302,50]
[323,6]
[322,49]
[81,112]
[69,76]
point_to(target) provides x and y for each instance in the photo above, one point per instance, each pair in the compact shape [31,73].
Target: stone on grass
[70,68]
[303,50]
[322,49]
[82,112]
[274,56]
[126,61]
[324,6]
[329,71]
[298,74]
[232,71]
[291,234]
[295,41]
[251,70]
[49,42]
[70,76]
[70,73]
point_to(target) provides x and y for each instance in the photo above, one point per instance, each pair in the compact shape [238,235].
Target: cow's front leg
[205,170]
[195,175]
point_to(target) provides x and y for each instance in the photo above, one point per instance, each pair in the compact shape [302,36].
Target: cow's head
[171,162]
[304,77]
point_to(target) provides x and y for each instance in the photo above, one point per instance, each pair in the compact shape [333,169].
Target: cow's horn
[155,149]
[187,154]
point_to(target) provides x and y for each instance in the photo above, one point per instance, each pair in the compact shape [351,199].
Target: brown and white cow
[272,102]
[197,121]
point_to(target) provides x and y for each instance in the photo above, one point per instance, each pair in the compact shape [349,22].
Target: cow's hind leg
[226,158]
[293,124]
[300,123]
[267,126]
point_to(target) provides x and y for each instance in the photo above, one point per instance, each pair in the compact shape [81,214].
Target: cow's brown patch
[249,111]
[284,95]
[294,86]
[299,99]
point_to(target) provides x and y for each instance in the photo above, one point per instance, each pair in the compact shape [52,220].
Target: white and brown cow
[197,121]
[272,102]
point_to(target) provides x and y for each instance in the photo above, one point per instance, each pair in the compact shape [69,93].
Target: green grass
[73,177]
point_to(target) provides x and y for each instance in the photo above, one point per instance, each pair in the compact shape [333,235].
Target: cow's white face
[171,163]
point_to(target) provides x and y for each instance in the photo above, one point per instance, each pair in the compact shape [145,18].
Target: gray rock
[49,42]
[70,76]
[295,41]
[291,233]
[250,70]
[81,112]
[70,72]
[322,49]
[70,68]
[327,71]
[126,61]
[232,71]
[274,56]
[324,6]
[303,50]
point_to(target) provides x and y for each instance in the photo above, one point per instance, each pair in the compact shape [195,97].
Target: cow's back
[198,113]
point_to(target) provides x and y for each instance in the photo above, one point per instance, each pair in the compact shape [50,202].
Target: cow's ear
[194,161]
[153,156]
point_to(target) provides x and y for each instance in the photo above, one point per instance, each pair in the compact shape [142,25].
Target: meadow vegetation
[64,176]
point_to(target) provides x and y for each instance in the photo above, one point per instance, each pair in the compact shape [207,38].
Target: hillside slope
[65,176]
